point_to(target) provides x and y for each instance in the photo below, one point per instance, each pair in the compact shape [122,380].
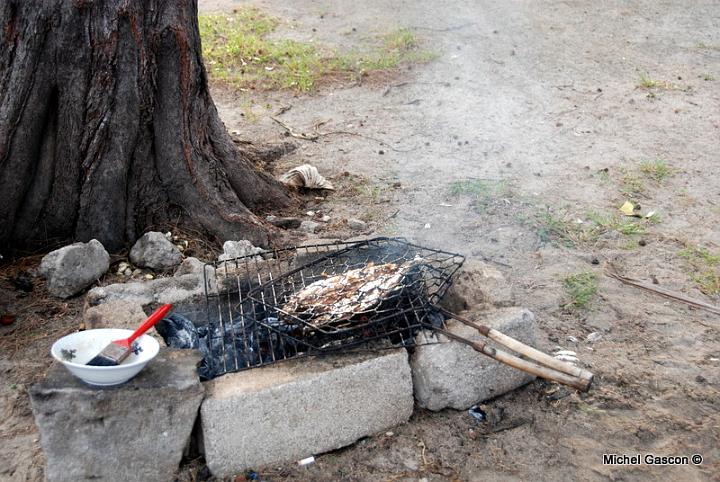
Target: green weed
[581,288]
[632,185]
[657,170]
[484,192]
[705,267]
[647,82]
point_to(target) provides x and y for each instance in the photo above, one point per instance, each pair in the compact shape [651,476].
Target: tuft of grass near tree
[238,50]
[705,268]
[581,289]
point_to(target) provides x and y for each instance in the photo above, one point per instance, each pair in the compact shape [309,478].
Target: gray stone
[114,314]
[285,223]
[477,283]
[238,249]
[186,288]
[289,411]
[454,375]
[118,314]
[71,269]
[190,266]
[309,226]
[135,432]
[357,224]
[153,250]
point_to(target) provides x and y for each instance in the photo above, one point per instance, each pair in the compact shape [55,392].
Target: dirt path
[527,131]
[543,103]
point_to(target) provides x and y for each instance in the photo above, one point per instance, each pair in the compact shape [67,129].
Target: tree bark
[107,128]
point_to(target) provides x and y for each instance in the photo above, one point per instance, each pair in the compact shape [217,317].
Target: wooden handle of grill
[582,384]
[584,377]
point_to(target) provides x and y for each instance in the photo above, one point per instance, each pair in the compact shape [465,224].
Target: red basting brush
[118,350]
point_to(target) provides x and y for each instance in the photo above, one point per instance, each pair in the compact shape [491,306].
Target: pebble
[356,224]
[593,337]
[309,226]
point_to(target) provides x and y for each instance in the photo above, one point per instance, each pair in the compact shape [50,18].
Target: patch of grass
[621,224]
[707,77]
[483,191]
[647,82]
[658,170]
[704,46]
[705,267]
[237,50]
[571,232]
[632,185]
[399,47]
[581,289]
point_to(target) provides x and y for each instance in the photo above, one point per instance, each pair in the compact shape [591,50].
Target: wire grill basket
[249,301]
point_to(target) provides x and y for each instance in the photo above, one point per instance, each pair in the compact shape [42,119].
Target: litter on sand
[306,176]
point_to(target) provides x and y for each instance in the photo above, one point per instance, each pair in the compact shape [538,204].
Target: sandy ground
[539,98]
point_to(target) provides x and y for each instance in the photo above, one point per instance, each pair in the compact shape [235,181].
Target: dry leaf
[628,209]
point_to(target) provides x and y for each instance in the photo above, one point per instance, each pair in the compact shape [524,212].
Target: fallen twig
[613,273]
[295,134]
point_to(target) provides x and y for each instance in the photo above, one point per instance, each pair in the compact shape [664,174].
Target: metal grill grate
[250,325]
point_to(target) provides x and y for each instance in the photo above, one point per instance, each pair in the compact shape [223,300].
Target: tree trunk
[107,128]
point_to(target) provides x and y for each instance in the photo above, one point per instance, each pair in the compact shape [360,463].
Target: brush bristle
[112,355]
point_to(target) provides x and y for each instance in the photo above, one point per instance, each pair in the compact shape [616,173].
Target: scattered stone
[572,339]
[351,396]
[87,433]
[123,267]
[71,269]
[357,224]
[309,226]
[155,251]
[115,314]
[477,282]
[149,276]
[238,249]
[593,337]
[325,218]
[284,223]
[310,213]
[454,375]
[187,288]
[190,265]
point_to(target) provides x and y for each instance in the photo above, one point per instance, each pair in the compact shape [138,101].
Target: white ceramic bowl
[87,344]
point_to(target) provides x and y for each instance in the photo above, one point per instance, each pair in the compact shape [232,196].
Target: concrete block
[477,283]
[454,375]
[135,432]
[291,410]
